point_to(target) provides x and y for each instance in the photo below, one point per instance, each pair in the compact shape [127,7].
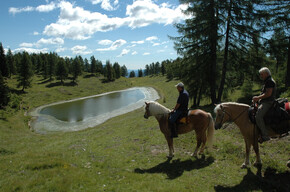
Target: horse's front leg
[170,146]
[256,149]
[247,160]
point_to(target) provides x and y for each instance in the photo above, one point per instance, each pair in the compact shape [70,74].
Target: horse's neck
[239,115]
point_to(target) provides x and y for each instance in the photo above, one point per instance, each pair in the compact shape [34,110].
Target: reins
[231,117]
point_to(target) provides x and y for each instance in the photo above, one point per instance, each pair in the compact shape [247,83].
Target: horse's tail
[210,131]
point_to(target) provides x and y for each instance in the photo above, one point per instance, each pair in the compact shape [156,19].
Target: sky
[131,32]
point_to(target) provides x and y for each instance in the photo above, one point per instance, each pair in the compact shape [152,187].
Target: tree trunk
[226,51]
[199,95]
[287,83]
[213,48]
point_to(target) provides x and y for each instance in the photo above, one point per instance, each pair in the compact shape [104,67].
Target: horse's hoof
[170,156]
[258,164]
[244,166]
[194,155]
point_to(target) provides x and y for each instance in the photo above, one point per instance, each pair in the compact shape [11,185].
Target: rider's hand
[256,99]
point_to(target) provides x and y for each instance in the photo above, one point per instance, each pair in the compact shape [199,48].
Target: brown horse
[198,120]
[238,113]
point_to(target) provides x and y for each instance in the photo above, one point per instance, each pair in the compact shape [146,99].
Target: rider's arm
[265,95]
[176,106]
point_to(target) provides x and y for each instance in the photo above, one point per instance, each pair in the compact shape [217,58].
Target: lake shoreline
[43,124]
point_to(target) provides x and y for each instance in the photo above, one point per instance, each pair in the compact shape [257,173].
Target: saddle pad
[287,107]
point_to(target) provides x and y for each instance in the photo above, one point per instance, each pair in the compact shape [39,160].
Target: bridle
[230,117]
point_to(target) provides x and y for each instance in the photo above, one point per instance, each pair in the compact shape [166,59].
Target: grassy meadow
[128,152]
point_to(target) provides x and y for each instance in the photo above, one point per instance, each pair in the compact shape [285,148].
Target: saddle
[280,111]
[183,118]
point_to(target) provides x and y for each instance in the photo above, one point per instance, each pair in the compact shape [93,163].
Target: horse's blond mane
[157,109]
[218,107]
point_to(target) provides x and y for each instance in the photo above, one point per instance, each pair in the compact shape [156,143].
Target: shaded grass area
[128,152]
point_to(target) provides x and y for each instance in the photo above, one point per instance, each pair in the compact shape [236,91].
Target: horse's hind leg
[198,140]
[203,140]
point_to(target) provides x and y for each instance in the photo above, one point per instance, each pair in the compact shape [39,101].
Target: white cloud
[52,41]
[105,42]
[30,50]
[145,12]
[124,52]
[115,45]
[106,4]
[60,49]
[135,53]
[137,42]
[80,50]
[46,8]
[146,53]
[35,33]
[76,23]
[152,38]
[26,45]
[14,10]
[156,44]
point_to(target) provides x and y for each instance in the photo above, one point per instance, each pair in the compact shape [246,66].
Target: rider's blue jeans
[174,116]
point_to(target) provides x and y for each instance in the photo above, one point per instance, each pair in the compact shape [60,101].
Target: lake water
[79,114]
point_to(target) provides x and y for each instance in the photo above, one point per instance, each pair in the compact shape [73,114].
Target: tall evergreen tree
[199,39]
[76,68]
[99,67]
[4,69]
[11,63]
[25,72]
[124,71]
[87,65]
[93,65]
[140,73]
[117,70]
[61,70]
[52,61]
[132,74]
[3,92]
[110,73]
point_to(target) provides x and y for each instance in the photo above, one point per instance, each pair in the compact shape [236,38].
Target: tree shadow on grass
[272,181]
[61,84]
[175,168]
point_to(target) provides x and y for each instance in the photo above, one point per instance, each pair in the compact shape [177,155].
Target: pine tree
[76,69]
[117,70]
[124,71]
[61,71]
[3,92]
[132,74]
[140,73]
[110,73]
[25,72]
[4,69]
[93,65]
[11,63]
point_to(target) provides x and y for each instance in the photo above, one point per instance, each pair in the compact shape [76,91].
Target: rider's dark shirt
[269,83]
[183,100]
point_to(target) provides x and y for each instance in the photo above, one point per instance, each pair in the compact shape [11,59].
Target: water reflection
[80,110]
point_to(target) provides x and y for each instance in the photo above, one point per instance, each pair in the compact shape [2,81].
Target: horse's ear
[221,106]
[215,104]
[146,103]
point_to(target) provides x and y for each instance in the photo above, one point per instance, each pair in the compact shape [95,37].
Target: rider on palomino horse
[180,108]
[266,99]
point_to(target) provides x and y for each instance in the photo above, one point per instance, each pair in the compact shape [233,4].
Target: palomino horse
[198,120]
[238,113]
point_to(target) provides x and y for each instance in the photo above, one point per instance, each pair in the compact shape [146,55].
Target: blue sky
[131,32]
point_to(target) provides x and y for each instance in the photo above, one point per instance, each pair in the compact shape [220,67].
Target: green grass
[126,153]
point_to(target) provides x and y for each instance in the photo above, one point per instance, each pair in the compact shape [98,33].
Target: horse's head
[222,116]
[153,108]
[147,111]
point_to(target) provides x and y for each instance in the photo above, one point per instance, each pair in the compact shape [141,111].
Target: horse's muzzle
[217,126]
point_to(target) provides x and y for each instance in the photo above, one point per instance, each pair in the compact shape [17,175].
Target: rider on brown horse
[180,108]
